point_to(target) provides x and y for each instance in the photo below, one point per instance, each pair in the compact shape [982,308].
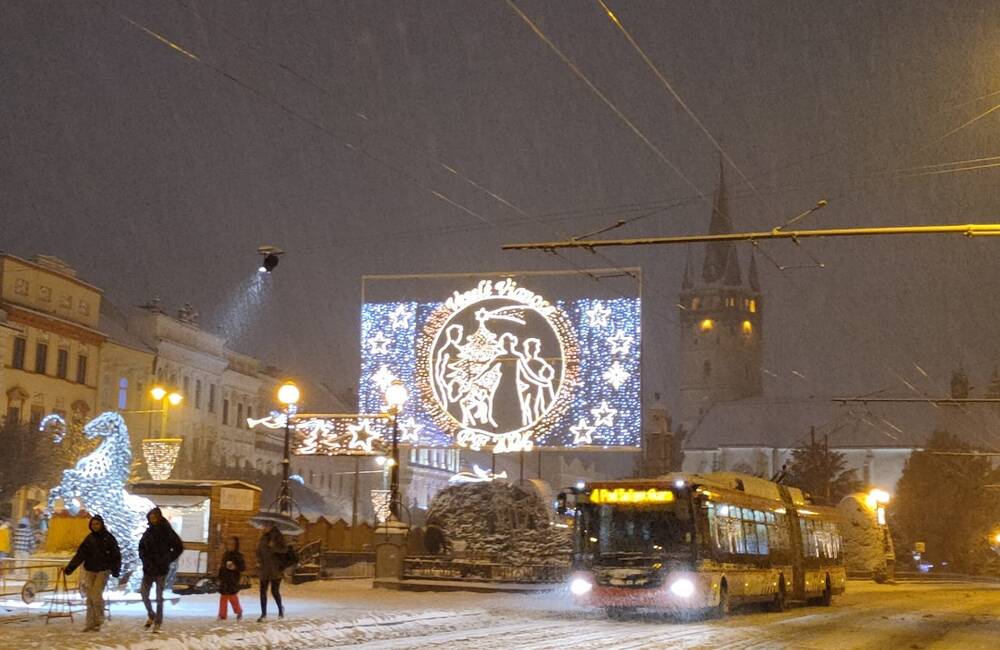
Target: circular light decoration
[160,455]
[496,365]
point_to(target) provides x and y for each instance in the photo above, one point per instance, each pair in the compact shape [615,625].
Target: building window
[706,370]
[753,306]
[41,358]
[197,393]
[747,327]
[225,411]
[37,413]
[13,414]
[239,416]
[187,387]
[707,325]
[249,413]
[81,369]
[122,394]
[17,358]
[211,398]
[62,363]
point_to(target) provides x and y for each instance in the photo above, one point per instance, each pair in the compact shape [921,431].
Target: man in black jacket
[159,547]
[100,556]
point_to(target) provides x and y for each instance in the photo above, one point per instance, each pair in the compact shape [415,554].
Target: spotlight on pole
[270,258]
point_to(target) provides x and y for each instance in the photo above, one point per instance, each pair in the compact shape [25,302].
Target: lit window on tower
[747,327]
[706,325]
[753,306]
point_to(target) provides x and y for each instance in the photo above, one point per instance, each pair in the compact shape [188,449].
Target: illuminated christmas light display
[160,455]
[477,475]
[380,504]
[97,484]
[498,366]
[332,435]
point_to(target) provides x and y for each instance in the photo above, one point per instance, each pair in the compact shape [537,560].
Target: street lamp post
[288,395]
[165,398]
[395,397]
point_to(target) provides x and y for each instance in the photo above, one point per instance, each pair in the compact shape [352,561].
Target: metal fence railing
[348,564]
[484,569]
[24,578]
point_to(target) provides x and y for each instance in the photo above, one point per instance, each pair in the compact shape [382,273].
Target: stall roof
[191,484]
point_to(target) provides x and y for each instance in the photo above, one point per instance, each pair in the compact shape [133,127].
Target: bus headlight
[580,586]
[682,588]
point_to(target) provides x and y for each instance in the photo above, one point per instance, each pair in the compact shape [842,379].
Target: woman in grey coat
[272,552]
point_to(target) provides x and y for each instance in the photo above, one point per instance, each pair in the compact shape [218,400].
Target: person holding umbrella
[272,560]
[99,554]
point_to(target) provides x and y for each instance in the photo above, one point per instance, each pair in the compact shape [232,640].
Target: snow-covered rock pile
[502,520]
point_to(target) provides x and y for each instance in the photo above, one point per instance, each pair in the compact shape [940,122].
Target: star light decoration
[582,433]
[362,435]
[621,343]
[379,344]
[400,318]
[409,430]
[616,375]
[598,315]
[604,415]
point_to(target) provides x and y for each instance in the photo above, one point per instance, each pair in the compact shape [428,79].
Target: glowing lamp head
[876,497]
[682,588]
[158,392]
[380,460]
[396,396]
[174,399]
[288,394]
[996,538]
[706,325]
[580,586]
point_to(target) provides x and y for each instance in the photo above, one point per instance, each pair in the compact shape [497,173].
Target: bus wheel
[617,613]
[722,609]
[779,602]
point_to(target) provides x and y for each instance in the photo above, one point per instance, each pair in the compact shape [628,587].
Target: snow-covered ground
[910,615]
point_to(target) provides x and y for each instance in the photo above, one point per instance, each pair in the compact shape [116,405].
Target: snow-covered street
[349,613]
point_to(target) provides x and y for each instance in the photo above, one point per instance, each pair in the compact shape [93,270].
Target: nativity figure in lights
[97,485]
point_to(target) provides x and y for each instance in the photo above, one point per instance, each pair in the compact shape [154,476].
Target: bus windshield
[615,532]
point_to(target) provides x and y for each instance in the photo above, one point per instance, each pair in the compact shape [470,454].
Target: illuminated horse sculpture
[97,485]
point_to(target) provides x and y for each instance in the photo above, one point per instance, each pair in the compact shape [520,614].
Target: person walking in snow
[272,554]
[159,547]
[230,569]
[99,554]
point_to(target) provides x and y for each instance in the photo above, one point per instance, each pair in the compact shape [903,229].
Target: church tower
[720,321]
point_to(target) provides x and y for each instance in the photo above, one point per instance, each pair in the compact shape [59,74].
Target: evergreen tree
[940,500]
[821,472]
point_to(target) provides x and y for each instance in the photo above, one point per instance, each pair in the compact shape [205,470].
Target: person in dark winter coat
[159,547]
[230,568]
[99,554]
[272,552]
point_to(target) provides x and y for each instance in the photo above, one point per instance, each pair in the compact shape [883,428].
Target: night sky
[154,173]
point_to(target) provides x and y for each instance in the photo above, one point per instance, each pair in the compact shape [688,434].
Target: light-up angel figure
[97,484]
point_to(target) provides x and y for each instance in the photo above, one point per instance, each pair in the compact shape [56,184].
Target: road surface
[909,615]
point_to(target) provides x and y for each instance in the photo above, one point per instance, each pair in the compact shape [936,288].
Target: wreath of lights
[600,345]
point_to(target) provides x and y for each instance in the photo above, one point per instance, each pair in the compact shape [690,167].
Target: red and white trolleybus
[701,542]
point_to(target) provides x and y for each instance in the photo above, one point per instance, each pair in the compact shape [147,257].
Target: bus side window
[763,544]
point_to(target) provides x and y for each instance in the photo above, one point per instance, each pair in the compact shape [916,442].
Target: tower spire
[718,265]
[752,276]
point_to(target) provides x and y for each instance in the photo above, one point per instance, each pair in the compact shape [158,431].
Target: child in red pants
[230,568]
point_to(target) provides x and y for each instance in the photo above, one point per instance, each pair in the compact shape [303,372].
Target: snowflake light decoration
[604,415]
[616,375]
[383,377]
[583,433]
